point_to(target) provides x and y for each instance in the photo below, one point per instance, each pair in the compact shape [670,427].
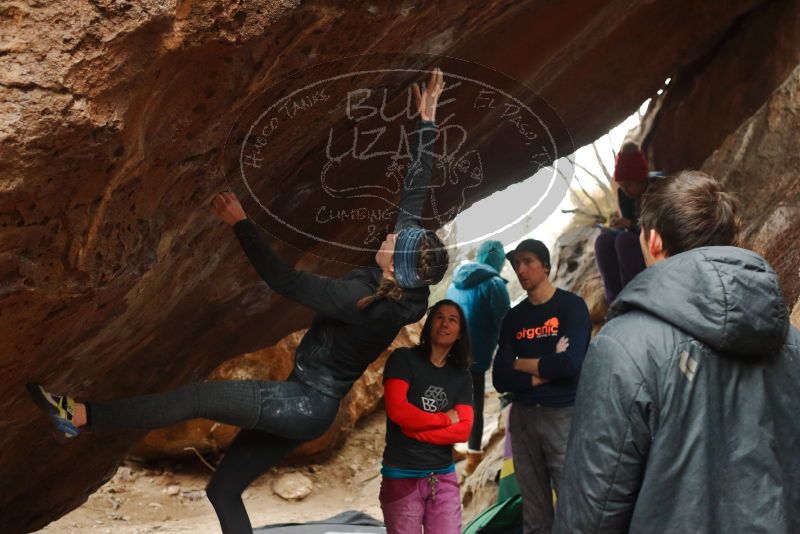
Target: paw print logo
[434,399]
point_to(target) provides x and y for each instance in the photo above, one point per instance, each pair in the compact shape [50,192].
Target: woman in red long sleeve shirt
[428,398]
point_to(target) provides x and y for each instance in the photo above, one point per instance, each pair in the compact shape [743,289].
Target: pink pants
[411,504]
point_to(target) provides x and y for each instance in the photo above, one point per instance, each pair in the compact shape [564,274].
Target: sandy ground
[172,499]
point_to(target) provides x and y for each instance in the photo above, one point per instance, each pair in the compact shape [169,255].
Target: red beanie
[630,167]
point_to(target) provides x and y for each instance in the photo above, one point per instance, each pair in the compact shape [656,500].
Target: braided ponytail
[433,259]
[387,288]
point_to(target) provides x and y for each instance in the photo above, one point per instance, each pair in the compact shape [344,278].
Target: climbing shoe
[60,408]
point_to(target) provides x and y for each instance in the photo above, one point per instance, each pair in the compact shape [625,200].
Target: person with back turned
[685,419]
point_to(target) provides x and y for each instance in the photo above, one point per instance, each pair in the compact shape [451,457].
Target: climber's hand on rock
[428,98]
[227,208]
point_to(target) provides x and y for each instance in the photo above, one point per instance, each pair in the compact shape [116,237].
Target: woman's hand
[227,208]
[429,97]
[453,415]
[562,345]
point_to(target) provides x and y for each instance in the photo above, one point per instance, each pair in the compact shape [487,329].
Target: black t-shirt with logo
[532,331]
[432,389]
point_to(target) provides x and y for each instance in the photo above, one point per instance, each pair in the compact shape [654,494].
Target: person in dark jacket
[543,340]
[357,317]
[481,292]
[686,415]
[619,258]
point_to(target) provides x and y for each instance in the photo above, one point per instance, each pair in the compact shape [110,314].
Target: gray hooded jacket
[687,416]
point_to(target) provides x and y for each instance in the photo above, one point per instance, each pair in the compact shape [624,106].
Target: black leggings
[276,417]
[478,392]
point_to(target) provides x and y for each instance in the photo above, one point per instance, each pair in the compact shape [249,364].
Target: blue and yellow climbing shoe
[60,408]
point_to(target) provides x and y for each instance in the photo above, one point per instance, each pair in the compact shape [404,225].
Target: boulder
[708,99]
[760,163]
[293,487]
[575,269]
[733,113]
[114,278]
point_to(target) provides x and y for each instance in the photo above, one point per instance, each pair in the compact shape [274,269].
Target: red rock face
[575,267]
[710,98]
[734,114]
[760,163]
[114,278]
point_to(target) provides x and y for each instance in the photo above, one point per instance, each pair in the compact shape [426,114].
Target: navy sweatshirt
[532,331]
